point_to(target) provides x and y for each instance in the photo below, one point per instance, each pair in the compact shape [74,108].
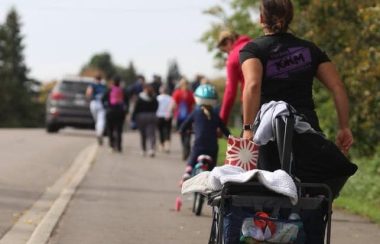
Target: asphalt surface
[124,198]
[128,198]
[31,161]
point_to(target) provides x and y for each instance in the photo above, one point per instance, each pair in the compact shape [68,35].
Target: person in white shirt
[165,115]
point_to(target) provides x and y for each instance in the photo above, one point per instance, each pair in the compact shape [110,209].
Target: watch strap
[248,127]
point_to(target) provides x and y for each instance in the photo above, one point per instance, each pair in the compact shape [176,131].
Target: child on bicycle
[205,122]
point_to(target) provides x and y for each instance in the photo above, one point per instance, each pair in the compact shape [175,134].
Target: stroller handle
[284,137]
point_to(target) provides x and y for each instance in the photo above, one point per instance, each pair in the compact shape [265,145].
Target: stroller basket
[255,197]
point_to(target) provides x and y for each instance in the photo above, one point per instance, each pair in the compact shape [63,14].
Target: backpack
[116,96]
[183,110]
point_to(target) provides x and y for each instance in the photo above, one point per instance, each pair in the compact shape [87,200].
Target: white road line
[36,224]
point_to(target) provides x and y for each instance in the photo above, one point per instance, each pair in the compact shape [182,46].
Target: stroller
[238,205]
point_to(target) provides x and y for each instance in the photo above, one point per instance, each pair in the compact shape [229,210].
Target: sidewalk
[127,198]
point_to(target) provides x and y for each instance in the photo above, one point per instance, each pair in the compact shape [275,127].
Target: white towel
[198,183]
[278,181]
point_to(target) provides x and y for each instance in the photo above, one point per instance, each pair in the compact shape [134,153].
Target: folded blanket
[278,181]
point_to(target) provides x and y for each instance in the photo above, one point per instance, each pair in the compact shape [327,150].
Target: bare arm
[89,92]
[230,90]
[329,76]
[253,72]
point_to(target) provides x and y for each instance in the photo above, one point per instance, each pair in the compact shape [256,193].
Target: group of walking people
[153,109]
[277,66]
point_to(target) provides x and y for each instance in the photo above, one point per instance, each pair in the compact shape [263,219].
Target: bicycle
[203,164]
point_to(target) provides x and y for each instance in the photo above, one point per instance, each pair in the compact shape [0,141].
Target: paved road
[127,198]
[124,198]
[31,161]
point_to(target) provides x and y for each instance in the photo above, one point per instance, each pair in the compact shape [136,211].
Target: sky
[60,36]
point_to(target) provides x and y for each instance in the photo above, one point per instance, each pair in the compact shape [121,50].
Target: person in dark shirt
[196,82]
[116,102]
[137,87]
[281,67]
[144,114]
[133,91]
[204,122]
[156,84]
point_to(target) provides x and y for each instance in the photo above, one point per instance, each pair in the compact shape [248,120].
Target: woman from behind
[116,102]
[279,66]
[184,104]
[165,116]
[144,114]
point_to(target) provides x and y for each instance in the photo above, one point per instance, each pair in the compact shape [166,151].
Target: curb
[37,223]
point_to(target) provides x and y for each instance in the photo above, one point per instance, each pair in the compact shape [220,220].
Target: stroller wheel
[198,204]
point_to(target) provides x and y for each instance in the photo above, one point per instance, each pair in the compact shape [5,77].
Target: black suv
[67,105]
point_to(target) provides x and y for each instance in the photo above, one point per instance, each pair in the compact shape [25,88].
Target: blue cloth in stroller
[314,224]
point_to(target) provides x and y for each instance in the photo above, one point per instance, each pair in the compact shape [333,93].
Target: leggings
[164,129]
[115,122]
[146,123]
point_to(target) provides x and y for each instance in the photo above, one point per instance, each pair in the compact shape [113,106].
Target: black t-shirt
[289,67]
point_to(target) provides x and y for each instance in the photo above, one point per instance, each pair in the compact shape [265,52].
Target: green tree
[129,74]
[4,83]
[14,66]
[16,105]
[174,74]
[103,62]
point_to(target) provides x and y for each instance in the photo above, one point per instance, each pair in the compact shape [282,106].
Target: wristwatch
[248,127]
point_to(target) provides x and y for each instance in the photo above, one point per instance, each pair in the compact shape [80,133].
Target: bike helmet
[206,95]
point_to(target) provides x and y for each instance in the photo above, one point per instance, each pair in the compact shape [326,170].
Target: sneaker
[167,146]
[160,148]
[100,140]
[151,153]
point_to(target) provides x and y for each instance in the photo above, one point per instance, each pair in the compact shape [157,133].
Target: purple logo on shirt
[280,65]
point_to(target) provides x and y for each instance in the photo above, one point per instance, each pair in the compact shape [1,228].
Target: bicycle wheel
[195,201]
[198,204]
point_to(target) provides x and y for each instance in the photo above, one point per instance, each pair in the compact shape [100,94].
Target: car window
[73,86]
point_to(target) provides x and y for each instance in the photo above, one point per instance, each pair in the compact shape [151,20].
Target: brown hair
[276,14]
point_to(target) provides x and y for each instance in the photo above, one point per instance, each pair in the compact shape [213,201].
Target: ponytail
[206,111]
[277,14]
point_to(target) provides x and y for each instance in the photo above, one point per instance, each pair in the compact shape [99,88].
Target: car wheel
[52,128]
